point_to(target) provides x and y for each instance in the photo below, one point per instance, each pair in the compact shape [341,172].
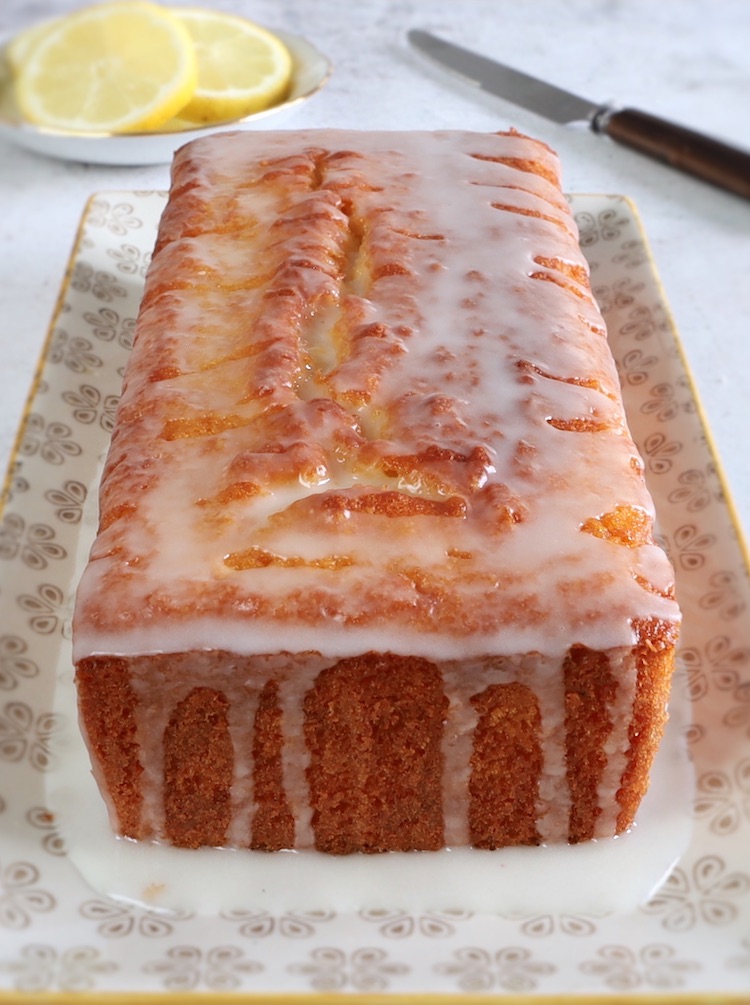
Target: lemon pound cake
[375,567]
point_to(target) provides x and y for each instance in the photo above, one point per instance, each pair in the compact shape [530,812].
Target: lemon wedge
[115,67]
[242,68]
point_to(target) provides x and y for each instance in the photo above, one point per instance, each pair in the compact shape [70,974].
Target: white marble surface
[684,59]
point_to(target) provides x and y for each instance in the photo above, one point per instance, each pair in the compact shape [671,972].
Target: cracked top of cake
[370,405]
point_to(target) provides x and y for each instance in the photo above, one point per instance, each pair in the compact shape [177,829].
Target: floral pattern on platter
[58,935]
[512,968]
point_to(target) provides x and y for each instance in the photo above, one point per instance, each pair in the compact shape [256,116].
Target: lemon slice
[116,67]
[242,68]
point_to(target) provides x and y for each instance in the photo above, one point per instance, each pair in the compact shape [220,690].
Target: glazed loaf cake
[375,567]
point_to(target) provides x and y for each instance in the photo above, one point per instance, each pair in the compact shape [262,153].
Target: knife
[696,154]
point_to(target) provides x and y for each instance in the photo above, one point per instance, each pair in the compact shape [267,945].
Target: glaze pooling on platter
[371,429]
[451,401]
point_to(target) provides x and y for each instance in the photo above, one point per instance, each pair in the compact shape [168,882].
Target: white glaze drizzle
[623,670]
[241,716]
[296,675]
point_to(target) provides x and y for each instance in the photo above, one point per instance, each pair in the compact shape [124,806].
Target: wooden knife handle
[699,155]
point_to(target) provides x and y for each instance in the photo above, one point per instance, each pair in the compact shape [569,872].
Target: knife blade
[699,155]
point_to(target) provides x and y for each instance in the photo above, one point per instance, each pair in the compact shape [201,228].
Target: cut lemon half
[115,68]
[242,68]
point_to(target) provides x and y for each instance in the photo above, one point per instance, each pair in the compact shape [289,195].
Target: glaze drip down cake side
[375,568]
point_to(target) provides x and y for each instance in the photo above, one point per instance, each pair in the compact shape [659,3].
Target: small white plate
[311,70]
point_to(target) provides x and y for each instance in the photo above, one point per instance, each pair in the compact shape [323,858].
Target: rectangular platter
[58,934]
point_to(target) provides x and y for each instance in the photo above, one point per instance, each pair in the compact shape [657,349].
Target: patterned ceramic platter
[58,935]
